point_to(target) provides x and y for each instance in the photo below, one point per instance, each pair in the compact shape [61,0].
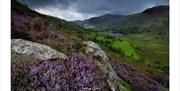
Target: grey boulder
[37,50]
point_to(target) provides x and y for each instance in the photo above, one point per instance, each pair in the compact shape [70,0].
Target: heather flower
[133,76]
[78,73]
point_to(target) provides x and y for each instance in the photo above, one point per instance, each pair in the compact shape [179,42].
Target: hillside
[154,18]
[102,21]
[51,54]
[31,25]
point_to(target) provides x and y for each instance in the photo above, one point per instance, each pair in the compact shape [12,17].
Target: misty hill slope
[156,17]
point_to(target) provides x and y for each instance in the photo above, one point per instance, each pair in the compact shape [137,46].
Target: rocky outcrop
[36,50]
[103,62]
[95,50]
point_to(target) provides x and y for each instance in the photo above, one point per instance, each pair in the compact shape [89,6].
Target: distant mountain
[158,10]
[152,17]
[101,21]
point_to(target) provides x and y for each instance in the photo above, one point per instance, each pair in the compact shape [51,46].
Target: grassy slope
[144,51]
[154,53]
[147,39]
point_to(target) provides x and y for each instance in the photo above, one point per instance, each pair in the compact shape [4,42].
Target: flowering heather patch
[79,73]
[86,72]
[27,27]
[36,29]
[20,26]
[134,77]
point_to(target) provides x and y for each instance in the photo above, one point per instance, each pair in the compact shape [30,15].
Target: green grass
[151,48]
[100,38]
[144,51]
[125,48]
[119,46]
[154,53]
[125,86]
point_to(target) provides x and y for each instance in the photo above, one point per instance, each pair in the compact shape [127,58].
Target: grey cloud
[94,7]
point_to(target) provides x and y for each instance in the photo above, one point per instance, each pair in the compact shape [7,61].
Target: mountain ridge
[149,15]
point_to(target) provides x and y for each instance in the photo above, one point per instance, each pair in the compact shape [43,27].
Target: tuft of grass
[100,38]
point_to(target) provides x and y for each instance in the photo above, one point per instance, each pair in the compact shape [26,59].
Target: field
[144,51]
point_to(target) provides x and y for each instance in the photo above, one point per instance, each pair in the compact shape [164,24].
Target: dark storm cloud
[89,8]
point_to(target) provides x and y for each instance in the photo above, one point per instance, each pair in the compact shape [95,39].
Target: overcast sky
[83,9]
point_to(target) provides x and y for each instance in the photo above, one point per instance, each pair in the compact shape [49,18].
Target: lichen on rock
[95,49]
[103,62]
[36,50]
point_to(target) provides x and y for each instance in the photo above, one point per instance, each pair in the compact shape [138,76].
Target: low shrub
[78,73]
[134,77]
